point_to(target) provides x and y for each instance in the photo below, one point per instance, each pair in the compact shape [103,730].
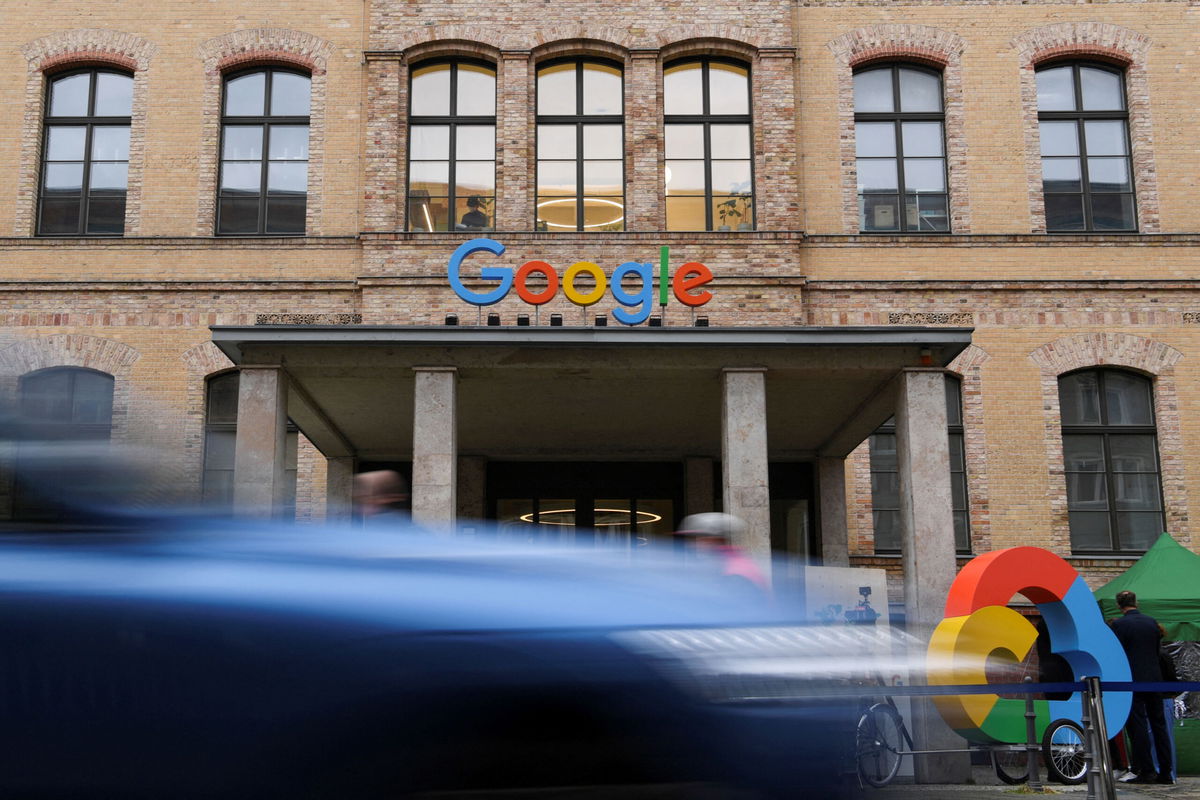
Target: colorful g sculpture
[978,624]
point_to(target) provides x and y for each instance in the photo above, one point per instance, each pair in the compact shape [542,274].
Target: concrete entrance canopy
[593,393]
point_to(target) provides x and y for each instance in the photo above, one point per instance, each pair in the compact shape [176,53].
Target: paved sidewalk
[988,788]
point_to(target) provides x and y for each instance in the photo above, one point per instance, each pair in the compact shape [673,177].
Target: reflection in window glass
[1110,460]
[85,156]
[1083,126]
[452,156]
[708,168]
[263,182]
[580,147]
[900,149]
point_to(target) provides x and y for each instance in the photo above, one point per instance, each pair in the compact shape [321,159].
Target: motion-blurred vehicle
[212,659]
[159,655]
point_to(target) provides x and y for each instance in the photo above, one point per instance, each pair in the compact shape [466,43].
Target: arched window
[263,188]
[452,147]
[220,439]
[1110,458]
[1083,122]
[899,135]
[709,175]
[62,404]
[580,147]
[85,154]
[885,478]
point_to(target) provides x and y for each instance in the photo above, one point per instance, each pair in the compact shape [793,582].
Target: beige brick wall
[140,307]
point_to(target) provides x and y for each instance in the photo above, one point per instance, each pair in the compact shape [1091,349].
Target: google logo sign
[979,625]
[635,306]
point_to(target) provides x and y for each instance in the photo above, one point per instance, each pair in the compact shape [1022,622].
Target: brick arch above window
[261,47]
[1105,349]
[80,48]
[1105,43]
[688,41]
[439,49]
[474,35]
[68,350]
[918,44]
[582,47]
[204,359]
[1123,351]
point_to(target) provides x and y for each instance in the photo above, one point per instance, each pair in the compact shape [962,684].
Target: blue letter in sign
[502,274]
[645,297]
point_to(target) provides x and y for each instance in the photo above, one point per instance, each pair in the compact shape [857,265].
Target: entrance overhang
[596,393]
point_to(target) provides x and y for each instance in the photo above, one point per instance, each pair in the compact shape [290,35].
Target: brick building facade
[140,303]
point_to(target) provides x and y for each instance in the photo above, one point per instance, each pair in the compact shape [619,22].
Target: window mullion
[579,187]
[901,200]
[262,186]
[708,196]
[86,182]
[1114,537]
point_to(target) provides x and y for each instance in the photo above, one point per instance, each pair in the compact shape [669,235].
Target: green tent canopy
[1166,581]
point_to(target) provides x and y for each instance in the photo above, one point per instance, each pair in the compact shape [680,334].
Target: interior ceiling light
[643,517]
[590,200]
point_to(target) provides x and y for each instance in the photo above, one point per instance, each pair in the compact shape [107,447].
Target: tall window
[580,150]
[264,153]
[1110,456]
[885,478]
[899,134]
[1084,125]
[220,438]
[452,148]
[85,161]
[709,179]
[63,404]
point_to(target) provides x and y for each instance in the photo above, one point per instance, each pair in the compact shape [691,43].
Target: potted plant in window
[735,210]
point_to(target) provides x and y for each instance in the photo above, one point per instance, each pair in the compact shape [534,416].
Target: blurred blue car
[212,659]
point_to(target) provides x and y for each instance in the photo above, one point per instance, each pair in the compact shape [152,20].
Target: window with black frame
[885,478]
[1083,121]
[709,175]
[452,147]
[220,440]
[263,186]
[900,144]
[85,154]
[58,405]
[580,146]
[1110,460]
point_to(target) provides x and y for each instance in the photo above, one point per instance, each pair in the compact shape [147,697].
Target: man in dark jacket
[1140,635]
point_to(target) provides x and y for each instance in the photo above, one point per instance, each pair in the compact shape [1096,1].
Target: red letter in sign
[544,296]
[688,277]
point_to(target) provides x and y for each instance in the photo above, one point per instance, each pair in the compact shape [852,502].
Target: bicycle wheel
[1012,765]
[878,744]
[1065,753]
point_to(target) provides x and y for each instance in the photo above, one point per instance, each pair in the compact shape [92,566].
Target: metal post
[1106,787]
[1031,745]
[1090,738]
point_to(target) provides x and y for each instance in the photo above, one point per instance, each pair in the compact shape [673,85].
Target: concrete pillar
[744,455]
[435,447]
[835,545]
[927,546]
[339,489]
[260,449]
[698,486]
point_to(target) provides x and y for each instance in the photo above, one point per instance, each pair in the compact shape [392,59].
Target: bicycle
[882,739]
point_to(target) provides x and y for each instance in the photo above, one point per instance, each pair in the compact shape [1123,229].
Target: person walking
[1141,635]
